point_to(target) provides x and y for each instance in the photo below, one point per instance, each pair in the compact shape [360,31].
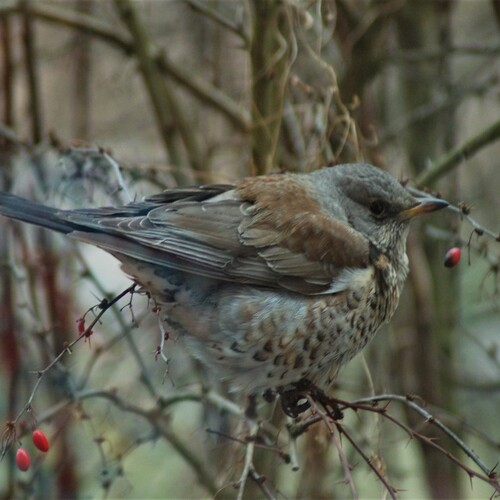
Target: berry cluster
[40,440]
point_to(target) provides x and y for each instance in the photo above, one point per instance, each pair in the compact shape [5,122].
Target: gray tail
[15,207]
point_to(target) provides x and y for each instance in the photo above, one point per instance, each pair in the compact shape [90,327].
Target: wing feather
[269,232]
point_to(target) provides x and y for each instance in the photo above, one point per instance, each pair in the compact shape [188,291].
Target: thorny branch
[328,420]
[86,333]
[479,230]
[410,401]
[124,331]
[371,404]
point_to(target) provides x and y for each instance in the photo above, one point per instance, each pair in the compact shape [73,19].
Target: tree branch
[269,53]
[439,168]
[31,74]
[165,104]
[201,89]
[214,15]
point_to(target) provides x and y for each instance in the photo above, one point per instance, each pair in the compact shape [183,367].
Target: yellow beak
[424,206]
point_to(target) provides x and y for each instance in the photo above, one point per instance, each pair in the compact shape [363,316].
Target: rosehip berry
[452,257]
[22,459]
[40,440]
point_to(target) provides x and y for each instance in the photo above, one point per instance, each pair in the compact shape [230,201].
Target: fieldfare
[277,280]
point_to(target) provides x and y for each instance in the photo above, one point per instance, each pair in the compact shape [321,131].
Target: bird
[279,279]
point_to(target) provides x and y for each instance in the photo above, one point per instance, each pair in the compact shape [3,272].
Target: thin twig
[216,16]
[409,401]
[344,117]
[121,182]
[463,211]
[390,489]
[124,328]
[293,448]
[261,483]
[345,464]
[248,464]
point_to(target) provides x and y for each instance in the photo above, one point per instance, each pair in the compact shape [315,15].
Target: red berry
[22,459]
[40,440]
[452,257]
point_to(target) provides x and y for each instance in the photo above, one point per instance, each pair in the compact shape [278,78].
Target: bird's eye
[378,208]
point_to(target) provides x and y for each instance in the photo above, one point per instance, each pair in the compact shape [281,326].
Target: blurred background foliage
[198,91]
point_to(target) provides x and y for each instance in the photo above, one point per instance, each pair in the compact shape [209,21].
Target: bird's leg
[251,409]
[293,401]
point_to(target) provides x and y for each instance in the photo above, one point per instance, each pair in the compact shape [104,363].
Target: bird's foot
[296,400]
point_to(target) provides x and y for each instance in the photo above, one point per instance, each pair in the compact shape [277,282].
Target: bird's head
[373,203]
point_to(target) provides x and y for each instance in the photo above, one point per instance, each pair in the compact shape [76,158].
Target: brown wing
[267,232]
[307,247]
